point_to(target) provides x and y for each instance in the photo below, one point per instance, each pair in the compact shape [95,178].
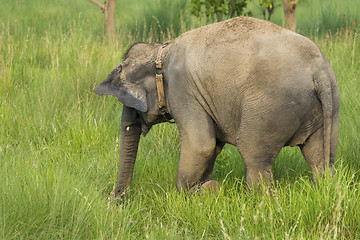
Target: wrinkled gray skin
[245,82]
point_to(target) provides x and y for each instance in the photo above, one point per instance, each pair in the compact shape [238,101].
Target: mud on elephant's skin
[224,84]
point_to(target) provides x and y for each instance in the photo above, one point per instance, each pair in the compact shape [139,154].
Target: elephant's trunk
[130,136]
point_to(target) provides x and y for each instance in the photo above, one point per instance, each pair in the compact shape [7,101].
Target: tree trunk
[110,18]
[108,8]
[289,14]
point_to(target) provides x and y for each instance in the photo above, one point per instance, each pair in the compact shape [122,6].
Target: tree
[221,9]
[108,8]
[289,14]
[218,9]
[269,10]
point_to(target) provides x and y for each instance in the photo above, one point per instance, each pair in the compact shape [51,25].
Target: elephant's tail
[323,87]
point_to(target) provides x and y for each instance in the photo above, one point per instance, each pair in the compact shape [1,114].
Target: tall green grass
[160,20]
[321,17]
[59,145]
[316,17]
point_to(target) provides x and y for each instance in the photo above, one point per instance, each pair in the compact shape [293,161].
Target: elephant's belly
[228,136]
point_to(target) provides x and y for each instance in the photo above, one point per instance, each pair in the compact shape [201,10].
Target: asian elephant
[244,81]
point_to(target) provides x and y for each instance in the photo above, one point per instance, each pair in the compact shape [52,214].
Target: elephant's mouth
[147,122]
[145,129]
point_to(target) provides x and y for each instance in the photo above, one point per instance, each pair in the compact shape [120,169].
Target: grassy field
[59,142]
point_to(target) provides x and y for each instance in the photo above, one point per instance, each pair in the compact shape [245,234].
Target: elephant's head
[133,83]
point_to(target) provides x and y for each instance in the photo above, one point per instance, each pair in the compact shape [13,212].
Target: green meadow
[59,141]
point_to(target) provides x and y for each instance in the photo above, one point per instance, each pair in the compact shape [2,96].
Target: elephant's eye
[119,68]
[116,70]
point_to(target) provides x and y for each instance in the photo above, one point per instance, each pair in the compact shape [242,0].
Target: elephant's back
[244,48]
[240,38]
[238,29]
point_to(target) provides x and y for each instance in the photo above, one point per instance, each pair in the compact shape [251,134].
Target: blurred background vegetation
[160,20]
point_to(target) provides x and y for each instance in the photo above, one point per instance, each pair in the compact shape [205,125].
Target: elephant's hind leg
[258,169]
[259,150]
[259,153]
[313,152]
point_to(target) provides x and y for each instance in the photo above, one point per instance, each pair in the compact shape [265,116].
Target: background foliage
[217,9]
[59,142]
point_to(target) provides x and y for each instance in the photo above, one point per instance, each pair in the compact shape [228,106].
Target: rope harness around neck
[159,75]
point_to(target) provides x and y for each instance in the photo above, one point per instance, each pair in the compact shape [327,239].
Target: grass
[315,17]
[155,24]
[59,145]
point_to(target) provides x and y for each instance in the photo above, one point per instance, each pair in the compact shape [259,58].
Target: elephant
[245,82]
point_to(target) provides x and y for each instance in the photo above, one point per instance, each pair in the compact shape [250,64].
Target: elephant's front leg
[197,156]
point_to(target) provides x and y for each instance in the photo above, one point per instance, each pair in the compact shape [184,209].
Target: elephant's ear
[134,97]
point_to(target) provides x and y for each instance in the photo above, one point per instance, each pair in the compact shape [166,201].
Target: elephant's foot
[210,186]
